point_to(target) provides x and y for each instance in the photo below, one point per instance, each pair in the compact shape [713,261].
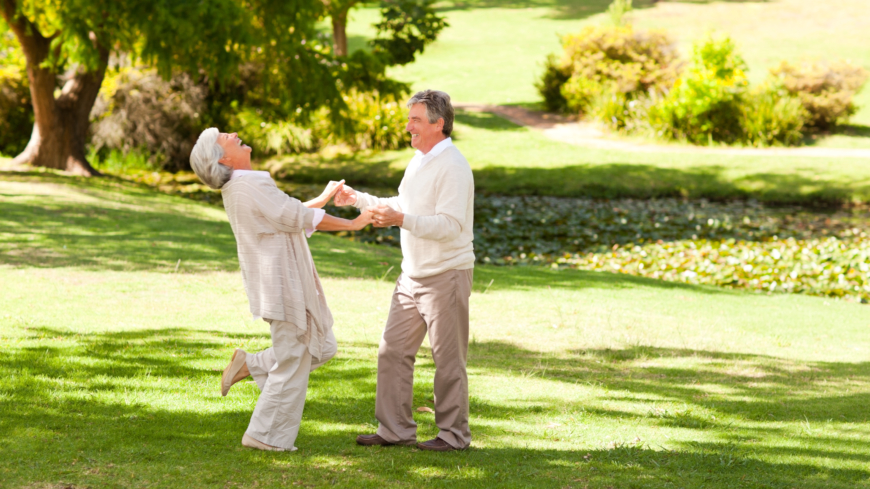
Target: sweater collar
[436,150]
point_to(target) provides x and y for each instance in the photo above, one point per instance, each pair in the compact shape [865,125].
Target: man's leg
[443,301]
[278,412]
[403,336]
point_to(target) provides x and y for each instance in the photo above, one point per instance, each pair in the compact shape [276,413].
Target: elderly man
[280,280]
[435,210]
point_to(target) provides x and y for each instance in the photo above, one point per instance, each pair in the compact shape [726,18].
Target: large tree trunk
[339,32]
[61,124]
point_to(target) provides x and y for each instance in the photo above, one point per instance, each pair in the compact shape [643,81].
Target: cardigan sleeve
[364,200]
[283,212]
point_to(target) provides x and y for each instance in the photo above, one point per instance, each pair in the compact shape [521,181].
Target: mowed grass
[493,51]
[515,160]
[113,350]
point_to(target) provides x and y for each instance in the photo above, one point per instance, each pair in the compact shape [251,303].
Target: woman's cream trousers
[281,372]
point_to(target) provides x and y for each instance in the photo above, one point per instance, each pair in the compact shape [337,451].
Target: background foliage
[825,88]
[16,112]
[633,82]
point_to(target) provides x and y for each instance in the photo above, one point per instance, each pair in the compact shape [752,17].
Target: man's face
[235,153]
[424,135]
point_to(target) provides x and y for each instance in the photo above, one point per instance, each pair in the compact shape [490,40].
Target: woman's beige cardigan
[277,268]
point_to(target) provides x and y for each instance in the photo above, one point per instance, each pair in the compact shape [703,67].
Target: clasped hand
[385,216]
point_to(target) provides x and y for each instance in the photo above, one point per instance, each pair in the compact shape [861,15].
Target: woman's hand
[331,189]
[365,218]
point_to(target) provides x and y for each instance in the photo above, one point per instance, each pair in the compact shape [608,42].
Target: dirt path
[588,134]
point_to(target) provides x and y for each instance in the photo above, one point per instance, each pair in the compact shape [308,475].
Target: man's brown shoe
[436,445]
[370,440]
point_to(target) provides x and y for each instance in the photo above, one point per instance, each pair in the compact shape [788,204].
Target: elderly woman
[280,280]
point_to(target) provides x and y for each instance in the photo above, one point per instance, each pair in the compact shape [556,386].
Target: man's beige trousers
[439,305]
[281,372]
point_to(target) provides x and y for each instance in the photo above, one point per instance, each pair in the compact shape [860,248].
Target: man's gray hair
[438,106]
[204,159]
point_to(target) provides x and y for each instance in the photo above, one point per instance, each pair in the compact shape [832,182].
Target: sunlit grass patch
[111,367]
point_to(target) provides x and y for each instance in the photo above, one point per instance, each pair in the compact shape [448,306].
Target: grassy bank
[513,160]
[112,351]
[493,50]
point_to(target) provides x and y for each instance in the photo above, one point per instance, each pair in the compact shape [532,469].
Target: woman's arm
[332,223]
[331,189]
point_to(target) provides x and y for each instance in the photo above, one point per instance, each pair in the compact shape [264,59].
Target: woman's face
[236,154]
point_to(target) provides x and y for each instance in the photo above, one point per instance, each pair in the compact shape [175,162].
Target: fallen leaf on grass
[424,409]
[554,425]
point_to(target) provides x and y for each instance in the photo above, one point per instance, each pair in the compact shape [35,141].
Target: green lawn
[509,159]
[112,352]
[493,50]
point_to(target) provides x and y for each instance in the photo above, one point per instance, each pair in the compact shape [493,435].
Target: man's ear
[440,123]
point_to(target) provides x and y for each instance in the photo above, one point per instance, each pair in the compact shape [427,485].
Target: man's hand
[345,196]
[331,189]
[385,216]
[364,219]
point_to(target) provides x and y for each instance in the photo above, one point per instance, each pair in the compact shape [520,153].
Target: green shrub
[378,121]
[622,112]
[579,92]
[772,116]
[550,85]
[618,10]
[371,122]
[270,138]
[631,62]
[826,89]
[16,111]
[704,104]
[140,111]
[634,62]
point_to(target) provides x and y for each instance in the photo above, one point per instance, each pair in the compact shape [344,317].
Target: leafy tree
[407,26]
[67,45]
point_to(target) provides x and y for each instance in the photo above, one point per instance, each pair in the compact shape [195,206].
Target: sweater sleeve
[364,200]
[283,212]
[451,205]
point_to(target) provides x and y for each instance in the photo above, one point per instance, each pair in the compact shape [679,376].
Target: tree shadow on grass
[850,130]
[483,120]
[642,181]
[72,414]
[536,277]
[59,233]
[749,386]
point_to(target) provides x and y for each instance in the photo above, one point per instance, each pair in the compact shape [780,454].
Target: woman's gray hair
[205,157]
[438,106]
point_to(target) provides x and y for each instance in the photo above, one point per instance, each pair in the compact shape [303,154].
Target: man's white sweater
[437,198]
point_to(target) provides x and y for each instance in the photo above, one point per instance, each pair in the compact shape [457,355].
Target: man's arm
[451,208]
[361,200]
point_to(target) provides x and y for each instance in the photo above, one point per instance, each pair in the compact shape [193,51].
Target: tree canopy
[68,45]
